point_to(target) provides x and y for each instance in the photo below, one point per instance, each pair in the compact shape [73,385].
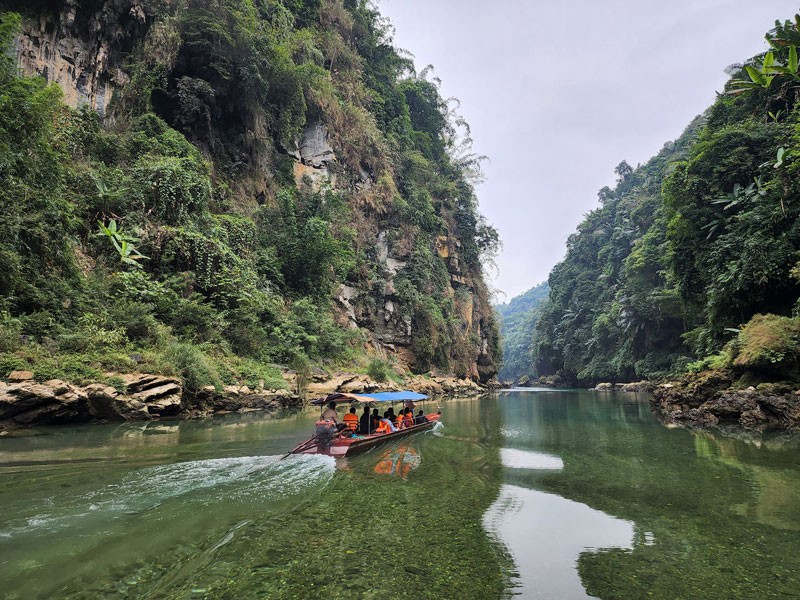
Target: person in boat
[399,421]
[389,414]
[390,426]
[330,414]
[420,418]
[325,431]
[382,425]
[365,425]
[351,420]
[408,417]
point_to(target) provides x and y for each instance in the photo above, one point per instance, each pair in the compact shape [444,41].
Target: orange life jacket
[382,428]
[351,421]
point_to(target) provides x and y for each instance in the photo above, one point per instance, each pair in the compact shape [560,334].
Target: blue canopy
[377,397]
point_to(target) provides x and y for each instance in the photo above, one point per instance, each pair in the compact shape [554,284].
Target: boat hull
[344,446]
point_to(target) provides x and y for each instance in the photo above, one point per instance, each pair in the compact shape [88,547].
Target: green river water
[536,494]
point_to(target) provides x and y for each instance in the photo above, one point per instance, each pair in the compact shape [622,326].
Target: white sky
[557,93]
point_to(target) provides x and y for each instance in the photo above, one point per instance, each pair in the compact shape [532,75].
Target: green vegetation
[767,348]
[177,239]
[517,325]
[691,245]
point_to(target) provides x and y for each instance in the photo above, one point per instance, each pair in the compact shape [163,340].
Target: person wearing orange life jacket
[408,417]
[351,420]
[383,426]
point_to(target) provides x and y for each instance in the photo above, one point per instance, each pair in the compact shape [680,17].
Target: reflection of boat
[399,461]
[346,444]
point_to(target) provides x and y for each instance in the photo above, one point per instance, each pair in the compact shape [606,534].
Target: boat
[345,443]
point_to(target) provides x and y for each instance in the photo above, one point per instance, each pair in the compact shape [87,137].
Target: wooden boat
[347,444]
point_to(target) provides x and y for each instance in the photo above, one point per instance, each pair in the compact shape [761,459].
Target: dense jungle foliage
[517,323]
[173,237]
[667,272]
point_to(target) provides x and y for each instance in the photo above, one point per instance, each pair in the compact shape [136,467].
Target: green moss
[769,342]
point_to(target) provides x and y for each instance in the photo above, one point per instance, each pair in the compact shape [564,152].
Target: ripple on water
[204,482]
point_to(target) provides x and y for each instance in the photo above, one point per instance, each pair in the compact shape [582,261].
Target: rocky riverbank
[140,396]
[710,399]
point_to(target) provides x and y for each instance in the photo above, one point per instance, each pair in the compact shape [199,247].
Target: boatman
[330,414]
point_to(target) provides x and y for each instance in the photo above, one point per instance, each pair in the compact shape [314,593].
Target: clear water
[535,494]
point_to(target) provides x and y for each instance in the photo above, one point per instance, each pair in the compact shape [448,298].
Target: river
[528,493]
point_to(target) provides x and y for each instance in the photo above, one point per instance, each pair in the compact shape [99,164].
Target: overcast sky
[558,93]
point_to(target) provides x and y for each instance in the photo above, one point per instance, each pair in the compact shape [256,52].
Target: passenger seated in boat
[408,417]
[389,414]
[365,426]
[390,426]
[399,421]
[382,426]
[351,420]
[420,418]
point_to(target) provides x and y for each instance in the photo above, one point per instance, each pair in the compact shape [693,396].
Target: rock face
[84,47]
[355,384]
[709,400]
[56,47]
[242,399]
[146,397]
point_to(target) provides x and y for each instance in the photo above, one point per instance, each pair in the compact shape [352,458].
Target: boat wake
[203,483]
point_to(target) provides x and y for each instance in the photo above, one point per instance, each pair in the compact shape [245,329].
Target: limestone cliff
[328,119]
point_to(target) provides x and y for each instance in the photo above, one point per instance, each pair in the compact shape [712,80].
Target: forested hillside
[205,188]
[688,247]
[517,321]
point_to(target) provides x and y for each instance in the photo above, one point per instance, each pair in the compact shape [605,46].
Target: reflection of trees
[703,523]
[775,500]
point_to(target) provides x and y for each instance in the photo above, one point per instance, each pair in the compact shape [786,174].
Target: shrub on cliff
[769,343]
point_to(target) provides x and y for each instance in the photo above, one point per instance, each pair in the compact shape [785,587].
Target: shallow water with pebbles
[535,494]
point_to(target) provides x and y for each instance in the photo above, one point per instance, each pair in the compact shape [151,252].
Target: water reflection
[546,534]
[523,459]
[686,514]
[587,492]
[206,509]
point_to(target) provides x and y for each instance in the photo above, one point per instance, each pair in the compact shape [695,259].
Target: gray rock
[314,148]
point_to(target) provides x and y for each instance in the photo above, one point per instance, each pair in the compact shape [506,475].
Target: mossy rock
[769,343]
